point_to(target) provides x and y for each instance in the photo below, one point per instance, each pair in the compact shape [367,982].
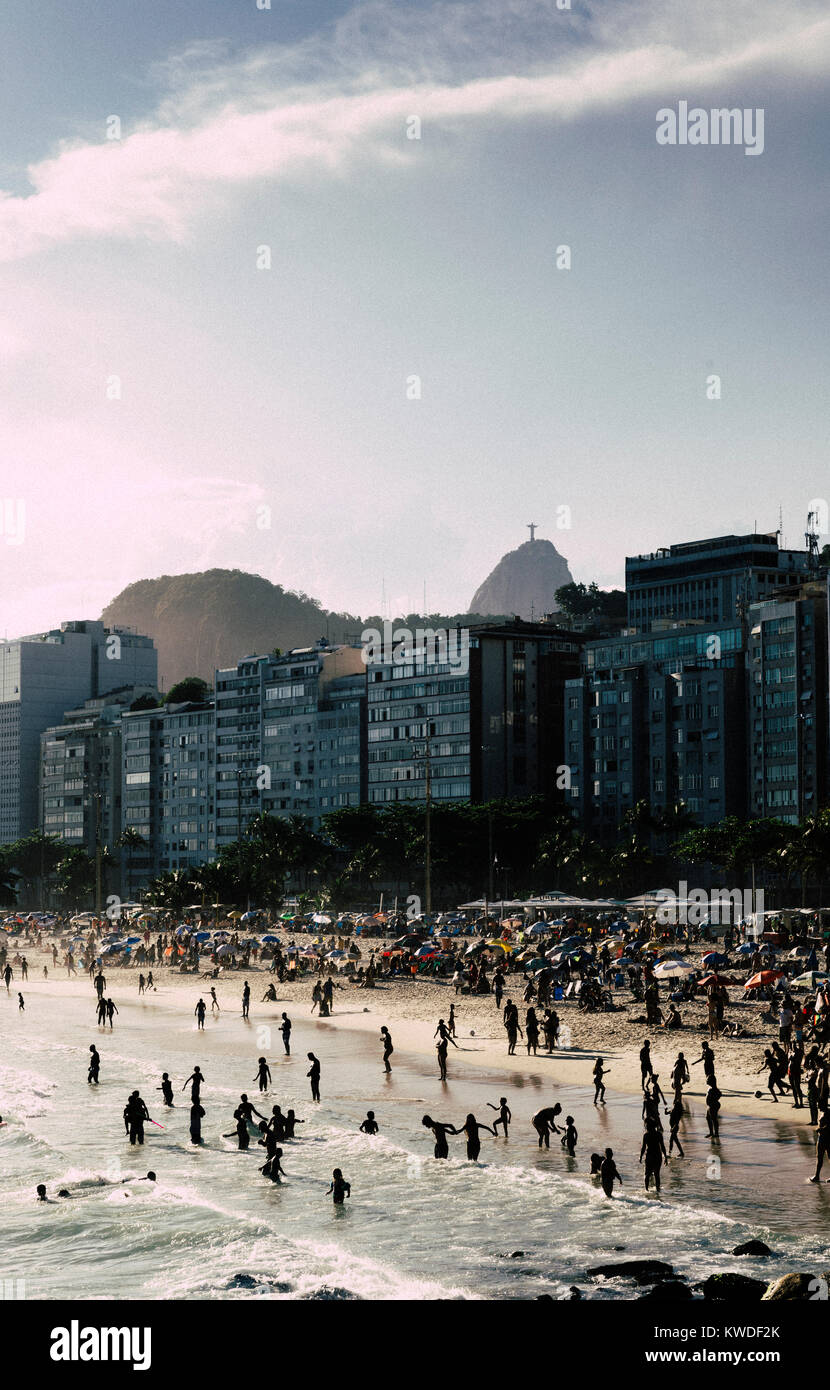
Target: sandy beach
[411,1009]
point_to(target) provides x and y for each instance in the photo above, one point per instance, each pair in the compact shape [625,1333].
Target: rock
[243,1281]
[641,1271]
[523,582]
[802,1287]
[668,1291]
[732,1288]
[575,1293]
[752,1247]
[517,1255]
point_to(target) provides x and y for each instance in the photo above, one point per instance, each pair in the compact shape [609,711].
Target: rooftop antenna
[811,537]
[531,526]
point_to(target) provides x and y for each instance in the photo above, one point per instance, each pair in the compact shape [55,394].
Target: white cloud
[223,124]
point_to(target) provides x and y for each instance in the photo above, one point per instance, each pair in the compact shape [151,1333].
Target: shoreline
[411,1011]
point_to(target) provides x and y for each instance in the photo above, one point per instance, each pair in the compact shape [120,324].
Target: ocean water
[415,1228]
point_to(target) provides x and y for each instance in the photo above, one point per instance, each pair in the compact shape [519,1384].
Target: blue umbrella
[715,958]
[747,949]
[271,939]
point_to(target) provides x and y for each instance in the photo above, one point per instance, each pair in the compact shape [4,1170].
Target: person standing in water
[200,1011]
[653,1150]
[20,1004]
[195,1080]
[111,1009]
[102,1011]
[439,1132]
[608,1174]
[166,1089]
[197,1114]
[388,1049]
[263,1075]
[94,1065]
[285,1029]
[214,1002]
[713,1096]
[472,1128]
[442,1048]
[822,1143]
[313,1075]
[135,1113]
[675,1117]
[246,999]
[339,1189]
[544,1122]
[370,1124]
[504,1114]
[570,1136]
[290,1121]
[599,1088]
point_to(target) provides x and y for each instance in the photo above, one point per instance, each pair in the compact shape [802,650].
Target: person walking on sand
[200,1011]
[388,1049]
[442,1048]
[214,1002]
[646,1069]
[285,1029]
[246,999]
[451,1021]
[313,1075]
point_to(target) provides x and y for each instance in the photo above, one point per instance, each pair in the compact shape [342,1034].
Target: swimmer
[370,1124]
[472,1129]
[166,1089]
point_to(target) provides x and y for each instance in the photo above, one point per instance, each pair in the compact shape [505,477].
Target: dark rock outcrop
[641,1271]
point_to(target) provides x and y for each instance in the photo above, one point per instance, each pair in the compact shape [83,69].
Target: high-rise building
[788,703]
[43,675]
[489,726]
[709,581]
[658,718]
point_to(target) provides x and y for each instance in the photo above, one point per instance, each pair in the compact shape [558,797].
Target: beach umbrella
[809,979]
[537,963]
[538,929]
[673,969]
[715,958]
[321,919]
[247,916]
[763,977]
[271,939]
[799,951]
[747,949]
[224,950]
[336,955]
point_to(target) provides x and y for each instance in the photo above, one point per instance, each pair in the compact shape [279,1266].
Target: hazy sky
[243,389]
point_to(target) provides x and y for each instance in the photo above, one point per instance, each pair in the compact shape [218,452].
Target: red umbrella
[763,977]
[714,979]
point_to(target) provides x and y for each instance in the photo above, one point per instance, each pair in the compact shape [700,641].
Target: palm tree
[130,839]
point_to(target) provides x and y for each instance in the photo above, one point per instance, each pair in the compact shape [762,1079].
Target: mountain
[212,619]
[524,582]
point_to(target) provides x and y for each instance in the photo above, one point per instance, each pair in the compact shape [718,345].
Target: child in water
[339,1189]
[505,1115]
[570,1136]
[370,1124]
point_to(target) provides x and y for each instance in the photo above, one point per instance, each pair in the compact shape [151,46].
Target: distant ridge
[212,618]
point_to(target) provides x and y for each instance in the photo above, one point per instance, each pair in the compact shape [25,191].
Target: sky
[248,321]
